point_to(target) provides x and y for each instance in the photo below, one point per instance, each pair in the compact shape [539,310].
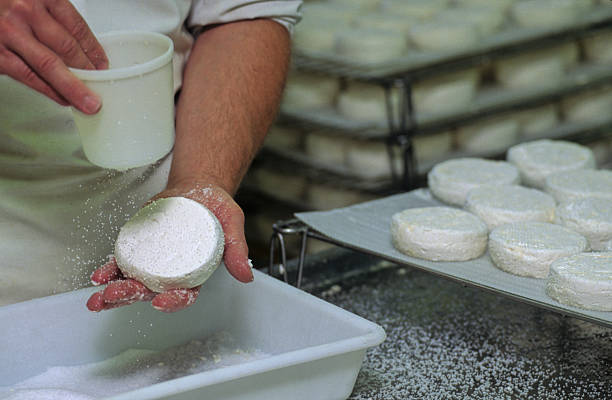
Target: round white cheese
[580,184]
[445,93]
[370,45]
[486,19]
[439,234]
[307,91]
[543,13]
[599,46]
[285,186]
[450,181]
[539,159]
[583,280]
[533,69]
[419,9]
[498,205]
[282,138]
[488,136]
[383,21]
[591,105]
[534,122]
[171,243]
[326,148]
[369,159]
[315,36]
[326,197]
[528,248]
[590,217]
[366,102]
[433,146]
[444,35]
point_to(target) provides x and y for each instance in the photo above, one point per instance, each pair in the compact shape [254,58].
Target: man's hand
[121,291]
[39,40]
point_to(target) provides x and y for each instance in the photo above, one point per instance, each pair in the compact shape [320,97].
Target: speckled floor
[446,341]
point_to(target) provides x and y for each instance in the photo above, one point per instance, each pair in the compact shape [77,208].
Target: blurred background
[381,90]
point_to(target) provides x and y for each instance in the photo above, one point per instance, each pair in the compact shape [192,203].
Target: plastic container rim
[133,70]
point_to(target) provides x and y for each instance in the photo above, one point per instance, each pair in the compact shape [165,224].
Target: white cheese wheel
[433,146]
[486,19]
[545,13]
[450,181]
[308,91]
[439,234]
[503,5]
[326,148]
[599,46]
[534,122]
[498,205]
[316,36]
[366,102]
[592,105]
[370,45]
[583,280]
[591,217]
[363,5]
[580,184]
[370,159]
[445,93]
[282,138]
[444,35]
[539,159]
[528,248]
[488,136]
[383,21]
[414,9]
[171,243]
[533,69]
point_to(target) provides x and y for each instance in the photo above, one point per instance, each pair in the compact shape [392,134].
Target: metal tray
[313,349]
[365,227]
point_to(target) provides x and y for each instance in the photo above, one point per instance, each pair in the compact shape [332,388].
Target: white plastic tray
[316,349]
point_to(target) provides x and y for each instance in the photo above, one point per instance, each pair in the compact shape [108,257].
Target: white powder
[172,243]
[132,369]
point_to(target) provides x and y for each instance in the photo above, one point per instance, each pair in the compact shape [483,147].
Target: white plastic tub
[316,349]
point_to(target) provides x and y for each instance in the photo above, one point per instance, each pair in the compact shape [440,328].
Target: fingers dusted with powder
[175,299]
[107,273]
[119,293]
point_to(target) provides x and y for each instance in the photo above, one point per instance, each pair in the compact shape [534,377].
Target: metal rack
[403,124]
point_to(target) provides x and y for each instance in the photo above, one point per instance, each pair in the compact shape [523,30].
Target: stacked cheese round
[534,122]
[383,21]
[583,280]
[326,148]
[544,13]
[591,217]
[172,243]
[533,69]
[486,19]
[433,146]
[450,181]
[498,205]
[487,136]
[528,248]
[599,46]
[539,159]
[580,184]
[286,186]
[308,91]
[503,5]
[282,138]
[327,197]
[419,9]
[369,159]
[370,45]
[592,105]
[439,234]
[442,36]
[366,102]
[445,93]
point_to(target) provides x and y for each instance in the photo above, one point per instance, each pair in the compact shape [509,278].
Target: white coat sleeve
[207,12]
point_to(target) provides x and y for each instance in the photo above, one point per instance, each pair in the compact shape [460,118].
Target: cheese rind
[583,280]
[580,184]
[528,248]
[450,181]
[499,205]
[439,234]
[172,243]
[591,217]
[538,159]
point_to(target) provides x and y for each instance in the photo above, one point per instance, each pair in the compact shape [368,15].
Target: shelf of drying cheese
[488,102]
[343,176]
[365,228]
[421,64]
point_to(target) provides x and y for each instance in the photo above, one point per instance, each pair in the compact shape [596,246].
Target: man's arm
[231,90]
